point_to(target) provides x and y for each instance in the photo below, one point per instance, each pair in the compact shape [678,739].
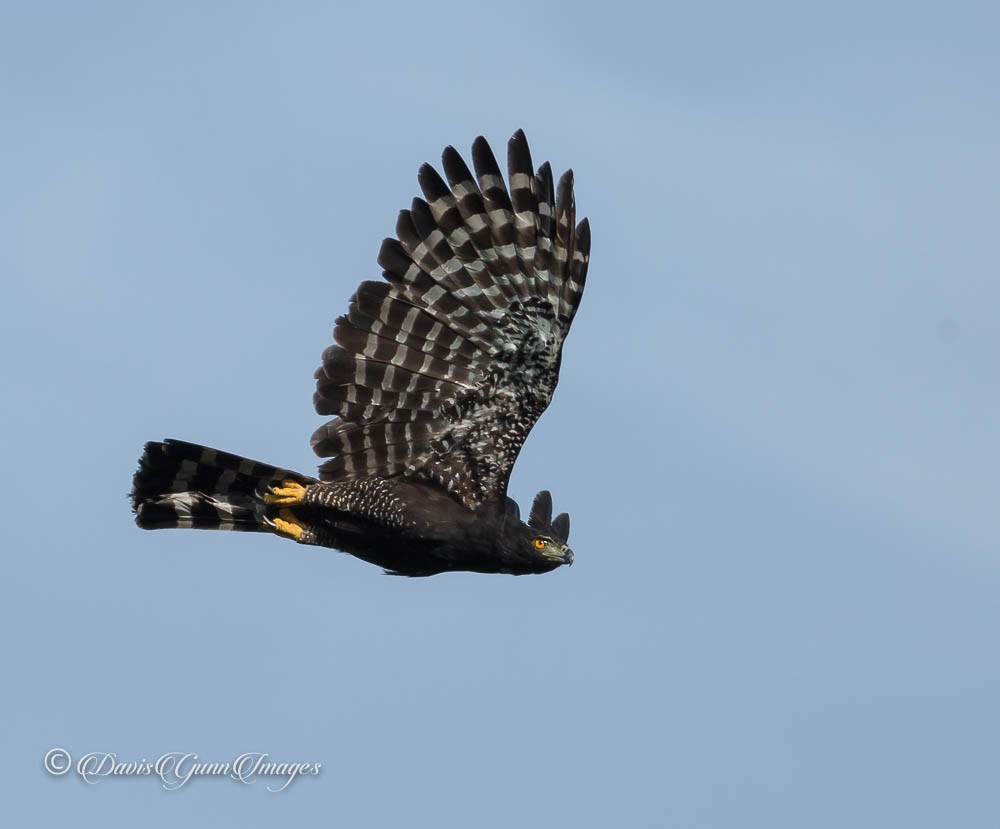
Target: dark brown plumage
[437,376]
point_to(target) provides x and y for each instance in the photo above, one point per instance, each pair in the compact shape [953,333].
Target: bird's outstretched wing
[440,371]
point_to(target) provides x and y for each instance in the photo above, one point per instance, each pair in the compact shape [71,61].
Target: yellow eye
[539,543]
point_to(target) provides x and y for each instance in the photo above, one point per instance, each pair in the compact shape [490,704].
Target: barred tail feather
[185,485]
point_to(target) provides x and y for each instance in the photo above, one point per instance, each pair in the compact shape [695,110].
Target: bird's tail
[182,484]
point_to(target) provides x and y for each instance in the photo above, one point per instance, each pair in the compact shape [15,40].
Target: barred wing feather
[440,371]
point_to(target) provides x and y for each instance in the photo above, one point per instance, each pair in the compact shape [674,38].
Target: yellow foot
[286,524]
[287,493]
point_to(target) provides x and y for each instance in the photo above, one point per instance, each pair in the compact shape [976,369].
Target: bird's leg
[286,524]
[286,493]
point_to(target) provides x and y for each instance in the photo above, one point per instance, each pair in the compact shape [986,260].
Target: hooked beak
[559,555]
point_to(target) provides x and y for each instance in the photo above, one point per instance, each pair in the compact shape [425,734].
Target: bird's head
[540,545]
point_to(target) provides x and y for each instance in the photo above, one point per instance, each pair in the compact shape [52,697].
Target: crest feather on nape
[541,511]
[560,526]
[541,519]
[513,510]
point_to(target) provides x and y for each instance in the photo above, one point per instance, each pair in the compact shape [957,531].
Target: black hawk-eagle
[438,373]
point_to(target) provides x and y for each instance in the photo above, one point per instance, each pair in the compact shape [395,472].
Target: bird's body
[438,375]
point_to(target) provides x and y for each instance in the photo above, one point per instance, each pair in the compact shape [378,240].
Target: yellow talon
[287,524]
[288,493]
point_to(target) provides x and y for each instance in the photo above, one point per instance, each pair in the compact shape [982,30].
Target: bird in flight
[437,374]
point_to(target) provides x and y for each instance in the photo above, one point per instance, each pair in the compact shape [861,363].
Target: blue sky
[776,430]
